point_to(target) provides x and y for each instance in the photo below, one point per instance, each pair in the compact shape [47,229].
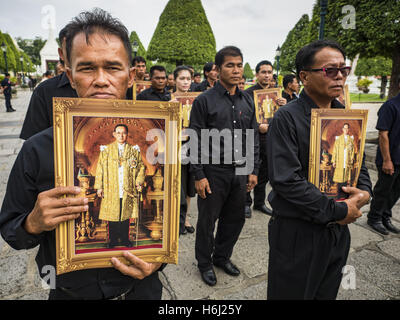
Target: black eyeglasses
[332,71]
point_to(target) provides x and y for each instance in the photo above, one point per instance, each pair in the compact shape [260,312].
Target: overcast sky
[257,27]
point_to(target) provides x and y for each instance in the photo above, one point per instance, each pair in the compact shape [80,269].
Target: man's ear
[303,75]
[131,79]
[68,71]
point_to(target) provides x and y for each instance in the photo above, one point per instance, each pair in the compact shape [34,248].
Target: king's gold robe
[107,179]
[343,158]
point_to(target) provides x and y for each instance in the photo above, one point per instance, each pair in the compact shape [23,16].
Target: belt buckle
[331,224]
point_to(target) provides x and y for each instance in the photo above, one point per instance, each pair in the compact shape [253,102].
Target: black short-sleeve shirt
[389,120]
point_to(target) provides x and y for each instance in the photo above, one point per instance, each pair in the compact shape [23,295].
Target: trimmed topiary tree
[183,35]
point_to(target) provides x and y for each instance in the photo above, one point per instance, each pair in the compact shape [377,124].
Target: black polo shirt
[154,95]
[6,83]
[389,120]
[40,110]
[217,109]
[288,146]
[32,173]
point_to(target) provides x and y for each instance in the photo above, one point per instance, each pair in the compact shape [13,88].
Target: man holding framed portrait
[308,234]
[99,55]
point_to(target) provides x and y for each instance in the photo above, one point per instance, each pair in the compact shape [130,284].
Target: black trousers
[226,203]
[305,259]
[8,101]
[386,193]
[259,189]
[119,230]
[149,288]
[187,190]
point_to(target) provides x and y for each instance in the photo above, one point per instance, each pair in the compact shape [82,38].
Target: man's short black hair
[181,68]
[7,74]
[263,63]
[138,59]
[346,124]
[196,74]
[207,68]
[93,21]
[229,51]
[158,68]
[305,56]
[121,125]
[288,79]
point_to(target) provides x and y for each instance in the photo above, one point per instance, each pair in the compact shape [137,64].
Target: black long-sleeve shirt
[217,109]
[40,110]
[288,145]
[33,173]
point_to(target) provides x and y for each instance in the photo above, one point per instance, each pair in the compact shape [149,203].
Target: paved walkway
[374,259]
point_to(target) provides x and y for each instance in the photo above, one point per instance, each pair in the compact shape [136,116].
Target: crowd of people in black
[308,232]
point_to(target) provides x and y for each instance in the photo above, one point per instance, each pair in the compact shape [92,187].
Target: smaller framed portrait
[266,104]
[344,98]
[337,140]
[139,86]
[124,156]
[186,99]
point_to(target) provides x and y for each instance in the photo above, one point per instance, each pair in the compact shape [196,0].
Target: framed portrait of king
[265,101]
[337,140]
[139,86]
[124,155]
[186,99]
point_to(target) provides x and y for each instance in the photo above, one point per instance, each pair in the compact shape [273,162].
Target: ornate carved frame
[136,83]
[256,93]
[64,110]
[317,115]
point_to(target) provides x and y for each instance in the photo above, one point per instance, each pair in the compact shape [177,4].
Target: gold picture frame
[186,99]
[139,86]
[337,141]
[82,128]
[265,103]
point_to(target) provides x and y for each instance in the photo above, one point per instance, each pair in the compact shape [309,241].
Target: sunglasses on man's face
[333,71]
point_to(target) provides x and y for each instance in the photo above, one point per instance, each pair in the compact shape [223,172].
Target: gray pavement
[373,266]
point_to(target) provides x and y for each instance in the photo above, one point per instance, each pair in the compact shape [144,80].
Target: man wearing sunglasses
[308,234]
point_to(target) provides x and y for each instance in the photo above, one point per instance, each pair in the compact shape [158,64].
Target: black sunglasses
[333,71]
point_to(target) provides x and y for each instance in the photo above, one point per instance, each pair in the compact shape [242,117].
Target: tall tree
[32,48]
[248,73]
[376,66]
[11,61]
[375,31]
[141,50]
[295,40]
[183,35]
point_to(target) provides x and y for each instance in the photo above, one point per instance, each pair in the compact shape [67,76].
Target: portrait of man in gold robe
[343,157]
[120,174]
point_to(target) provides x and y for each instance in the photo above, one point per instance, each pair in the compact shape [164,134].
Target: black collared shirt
[288,97]
[202,86]
[154,95]
[32,173]
[217,109]
[40,110]
[288,145]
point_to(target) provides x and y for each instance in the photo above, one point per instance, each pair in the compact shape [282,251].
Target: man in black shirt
[6,85]
[387,188]
[210,77]
[157,91]
[40,110]
[308,235]
[220,117]
[99,56]
[139,63]
[290,87]
[264,75]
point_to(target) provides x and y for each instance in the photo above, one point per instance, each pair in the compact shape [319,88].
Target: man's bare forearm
[384,145]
